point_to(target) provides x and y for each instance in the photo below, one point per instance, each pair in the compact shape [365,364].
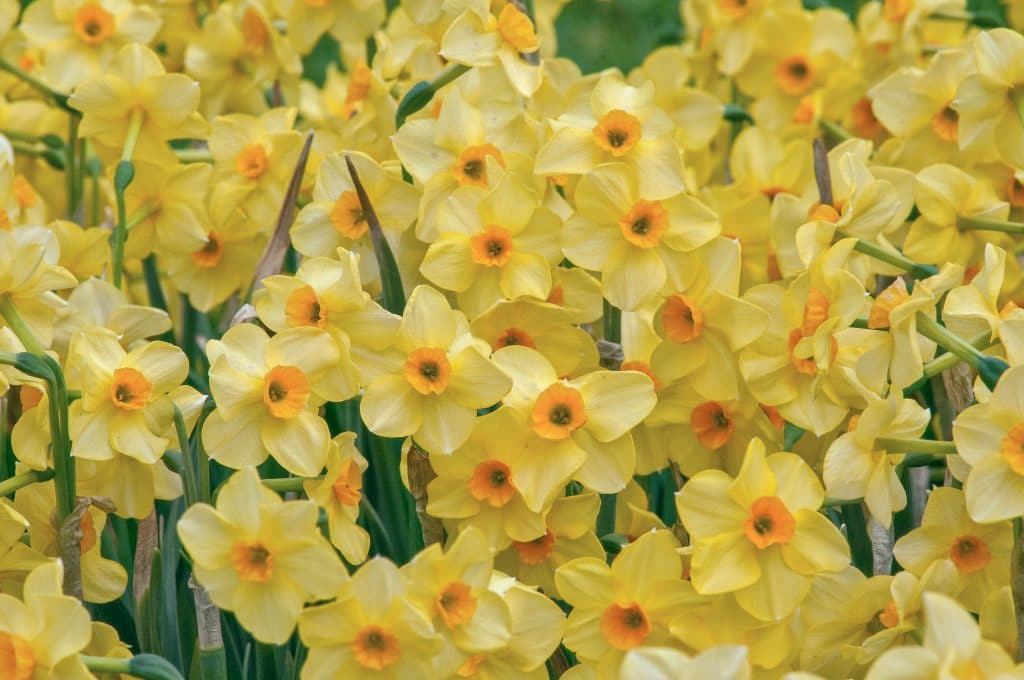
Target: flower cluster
[451,361]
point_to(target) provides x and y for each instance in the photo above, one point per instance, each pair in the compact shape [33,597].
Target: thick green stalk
[989,368]
[965,223]
[857,537]
[835,130]
[123,176]
[148,666]
[74,193]
[286,484]
[420,94]
[9,486]
[915,269]
[187,463]
[10,315]
[895,445]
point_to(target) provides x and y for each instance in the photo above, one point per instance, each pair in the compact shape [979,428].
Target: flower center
[682,321]
[969,554]
[558,411]
[514,336]
[641,367]
[88,529]
[617,132]
[493,247]
[825,213]
[625,627]
[375,648]
[889,299]
[93,24]
[890,615]
[455,604]
[1012,447]
[17,660]
[210,254]
[285,391]
[712,425]
[864,122]
[536,551]
[252,561]
[303,308]
[770,522]
[470,666]
[492,483]
[348,485]
[358,87]
[23,192]
[347,216]
[254,31]
[251,161]
[815,311]
[801,351]
[734,9]
[428,371]
[471,166]
[1015,192]
[895,11]
[129,390]
[946,124]
[516,29]
[794,75]
[644,224]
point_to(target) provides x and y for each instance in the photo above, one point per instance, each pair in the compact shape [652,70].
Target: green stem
[968,223]
[60,99]
[70,175]
[989,368]
[379,531]
[194,155]
[835,130]
[857,537]
[9,486]
[420,94]
[140,215]
[286,484]
[612,323]
[202,459]
[949,360]
[147,666]
[606,515]
[187,463]
[929,446]
[917,270]
[9,313]
[123,176]
[838,502]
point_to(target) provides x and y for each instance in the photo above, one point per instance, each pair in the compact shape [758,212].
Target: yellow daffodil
[222,264]
[587,420]
[477,38]
[119,391]
[496,245]
[727,662]
[990,438]
[451,588]
[326,293]
[952,645]
[254,158]
[84,252]
[704,322]
[461,147]
[568,535]
[103,579]
[915,105]
[760,535]
[260,557]
[486,482]
[632,240]
[980,552]
[348,21]
[339,494]
[134,85]
[621,124]
[82,37]
[626,606]
[371,629]
[762,162]
[973,308]
[28,276]
[942,193]
[42,636]
[436,378]
[268,392]
[170,202]
[334,219]
[16,558]
[237,54]
[989,101]
[856,466]
[543,326]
